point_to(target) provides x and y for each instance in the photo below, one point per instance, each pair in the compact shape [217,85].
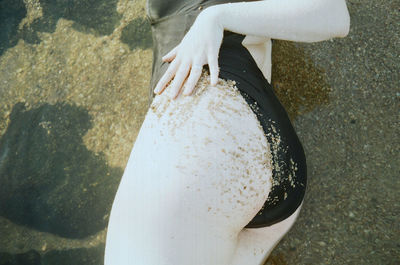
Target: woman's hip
[205,154]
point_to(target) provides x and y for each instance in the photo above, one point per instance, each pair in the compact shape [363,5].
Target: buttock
[289,172]
[213,159]
[288,159]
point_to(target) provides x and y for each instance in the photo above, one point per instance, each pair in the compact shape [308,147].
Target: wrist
[212,16]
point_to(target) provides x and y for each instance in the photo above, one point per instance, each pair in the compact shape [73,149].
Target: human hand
[199,47]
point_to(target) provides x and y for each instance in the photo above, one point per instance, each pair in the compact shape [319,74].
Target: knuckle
[181,71]
[196,70]
[170,71]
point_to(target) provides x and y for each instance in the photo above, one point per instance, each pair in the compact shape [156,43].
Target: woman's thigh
[199,171]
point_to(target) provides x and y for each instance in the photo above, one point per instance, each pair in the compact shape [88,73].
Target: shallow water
[73,93]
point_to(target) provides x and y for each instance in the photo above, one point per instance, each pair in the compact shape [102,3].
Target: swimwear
[170,20]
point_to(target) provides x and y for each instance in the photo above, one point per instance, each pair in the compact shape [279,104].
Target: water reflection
[95,17]
[28,258]
[137,34]
[91,256]
[50,180]
[11,14]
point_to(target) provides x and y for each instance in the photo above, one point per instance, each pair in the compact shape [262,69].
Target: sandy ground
[343,96]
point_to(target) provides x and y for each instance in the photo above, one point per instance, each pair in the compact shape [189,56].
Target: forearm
[294,20]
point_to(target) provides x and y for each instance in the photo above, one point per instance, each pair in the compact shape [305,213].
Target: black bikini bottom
[289,164]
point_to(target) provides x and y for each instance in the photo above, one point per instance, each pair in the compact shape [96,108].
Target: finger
[170,55]
[195,73]
[214,70]
[168,75]
[179,78]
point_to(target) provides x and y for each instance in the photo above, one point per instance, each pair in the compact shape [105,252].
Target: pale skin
[182,199]
[293,20]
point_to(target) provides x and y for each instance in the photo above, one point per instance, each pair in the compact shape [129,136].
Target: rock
[49,180]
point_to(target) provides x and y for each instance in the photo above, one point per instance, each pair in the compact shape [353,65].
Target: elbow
[333,19]
[336,28]
[346,28]
[340,25]
[329,19]
[343,28]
